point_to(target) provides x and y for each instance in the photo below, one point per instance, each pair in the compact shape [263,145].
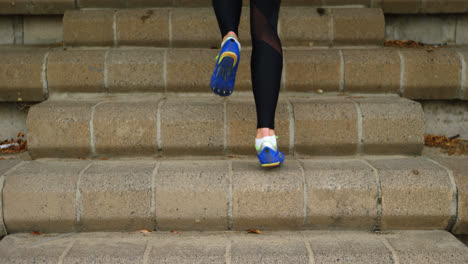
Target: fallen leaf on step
[451,145]
[144,231]
[176,232]
[410,44]
[14,146]
[254,231]
[36,233]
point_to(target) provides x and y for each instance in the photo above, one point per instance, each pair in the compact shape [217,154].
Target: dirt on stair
[410,44]
[10,146]
[450,145]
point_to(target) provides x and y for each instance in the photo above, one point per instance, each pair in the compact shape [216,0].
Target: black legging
[267,55]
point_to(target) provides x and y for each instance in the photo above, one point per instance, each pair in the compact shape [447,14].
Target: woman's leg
[224,75]
[266,67]
[228,15]
[266,62]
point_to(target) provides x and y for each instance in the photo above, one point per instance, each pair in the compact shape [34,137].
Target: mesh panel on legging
[267,59]
[228,15]
[267,56]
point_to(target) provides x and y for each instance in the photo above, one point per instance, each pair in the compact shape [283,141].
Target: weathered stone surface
[143,27]
[146,3]
[199,121]
[105,3]
[302,2]
[193,2]
[195,27]
[416,194]
[42,30]
[117,196]
[89,27]
[191,197]
[126,128]
[76,71]
[188,247]
[242,122]
[304,26]
[341,194]
[358,26]
[401,7]
[325,126]
[459,168]
[198,27]
[463,93]
[428,29]
[8,7]
[372,70]
[445,118]
[7,32]
[232,247]
[107,248]
[123,3]
[50,6]
[312,69]
[427,247]
[135,70]
[59,129]
[21,75]
[15,249]
[462,30]
[431,75]
[40,196]
[443,6]
[5,165]
[348,247]
[269,249]
[267,199]
[391,126]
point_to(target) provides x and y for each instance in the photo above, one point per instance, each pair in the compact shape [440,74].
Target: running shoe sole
[224,75]
[271,165]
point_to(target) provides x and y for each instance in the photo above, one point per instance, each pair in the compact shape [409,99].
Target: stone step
[418,247]
[436,29]
[389,6]
[28,74]
[148,125]
[198,27]
[365,193]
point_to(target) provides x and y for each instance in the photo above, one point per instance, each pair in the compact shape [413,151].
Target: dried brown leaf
[254,231]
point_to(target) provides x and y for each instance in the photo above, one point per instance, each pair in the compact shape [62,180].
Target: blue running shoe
[224,75]
[269,155]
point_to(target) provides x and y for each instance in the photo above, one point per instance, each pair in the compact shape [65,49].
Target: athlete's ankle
[230,33]
[264,132]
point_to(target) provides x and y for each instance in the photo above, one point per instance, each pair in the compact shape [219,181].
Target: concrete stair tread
[389,6]
[198,27]
[32,74]
[365,193]
[154,125]
[418,247]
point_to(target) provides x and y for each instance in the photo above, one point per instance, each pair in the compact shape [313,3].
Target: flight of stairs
[132,159]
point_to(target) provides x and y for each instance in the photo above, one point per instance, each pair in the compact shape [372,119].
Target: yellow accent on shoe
[229,54]
[269,165]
